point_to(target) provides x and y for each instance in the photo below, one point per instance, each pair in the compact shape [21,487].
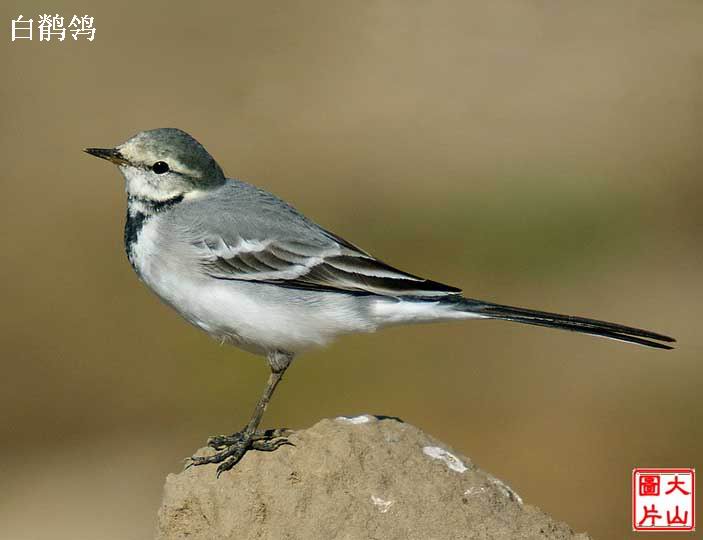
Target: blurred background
[536,153]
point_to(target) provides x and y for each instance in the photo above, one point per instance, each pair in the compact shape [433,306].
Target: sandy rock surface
[350,478]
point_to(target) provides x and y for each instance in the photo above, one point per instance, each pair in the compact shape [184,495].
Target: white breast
[254,316]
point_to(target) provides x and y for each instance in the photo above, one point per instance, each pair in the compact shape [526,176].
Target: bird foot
[231,448]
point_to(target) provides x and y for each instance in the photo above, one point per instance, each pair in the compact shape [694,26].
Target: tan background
[538,153]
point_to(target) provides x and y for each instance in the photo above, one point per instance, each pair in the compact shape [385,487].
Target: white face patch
[147,185]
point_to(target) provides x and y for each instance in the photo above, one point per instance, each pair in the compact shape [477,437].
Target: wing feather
[335,267]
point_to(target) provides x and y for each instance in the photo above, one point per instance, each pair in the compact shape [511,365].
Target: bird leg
[231,449]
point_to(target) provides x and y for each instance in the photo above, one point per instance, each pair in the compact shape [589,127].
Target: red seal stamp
[663,499]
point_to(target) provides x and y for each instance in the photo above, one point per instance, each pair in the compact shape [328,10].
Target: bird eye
[160,167]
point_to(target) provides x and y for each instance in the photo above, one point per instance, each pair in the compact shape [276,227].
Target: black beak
[109,154]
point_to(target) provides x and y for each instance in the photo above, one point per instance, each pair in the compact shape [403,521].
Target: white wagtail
[251,270]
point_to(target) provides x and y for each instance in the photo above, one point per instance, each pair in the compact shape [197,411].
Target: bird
[252,271]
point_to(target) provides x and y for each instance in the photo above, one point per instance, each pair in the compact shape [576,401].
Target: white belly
[256,317]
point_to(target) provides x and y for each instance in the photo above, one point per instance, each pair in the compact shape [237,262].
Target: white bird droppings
[361,419]
[506,490]
[453,462]
[381,504]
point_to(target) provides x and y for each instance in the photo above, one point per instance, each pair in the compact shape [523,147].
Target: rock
[350,478]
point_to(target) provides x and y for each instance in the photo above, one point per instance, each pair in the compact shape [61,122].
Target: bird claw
[221,441]
[231,448]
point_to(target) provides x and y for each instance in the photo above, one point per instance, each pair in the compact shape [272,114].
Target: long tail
[564,322]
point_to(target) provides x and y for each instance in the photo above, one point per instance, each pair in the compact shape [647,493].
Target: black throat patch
[135,220]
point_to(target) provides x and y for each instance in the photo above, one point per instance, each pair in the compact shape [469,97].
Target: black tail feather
[566,322]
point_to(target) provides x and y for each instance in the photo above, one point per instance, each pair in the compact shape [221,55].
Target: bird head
[161,164]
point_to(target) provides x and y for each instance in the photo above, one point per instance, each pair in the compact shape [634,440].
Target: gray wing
[299,265]
[259,238]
